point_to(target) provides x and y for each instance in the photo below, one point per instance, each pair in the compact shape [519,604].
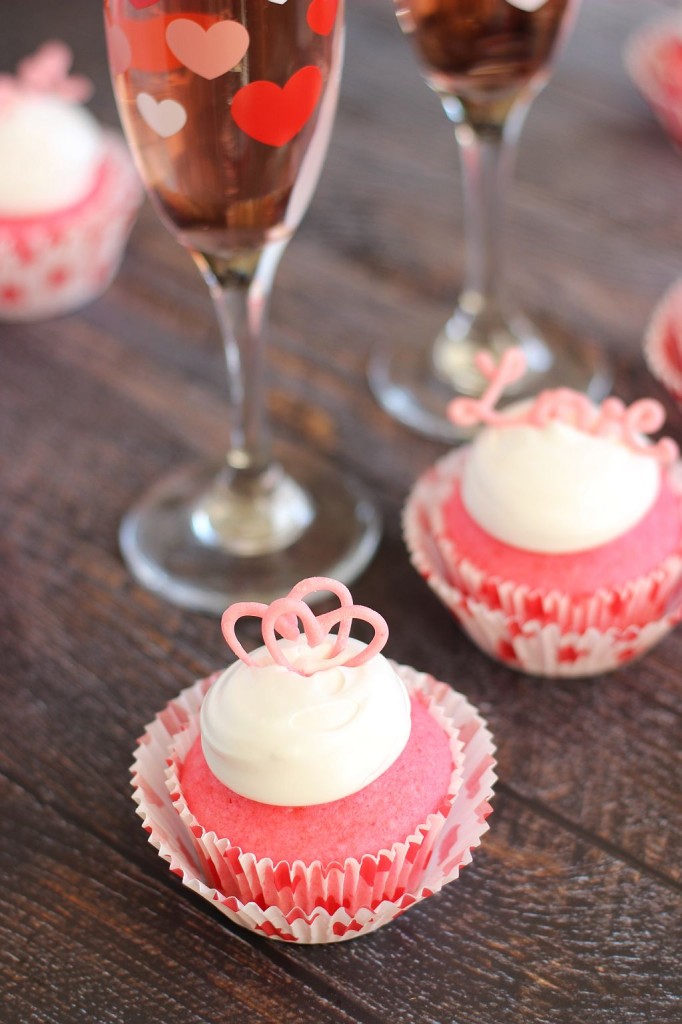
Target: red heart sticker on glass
[274,115]
[322,15]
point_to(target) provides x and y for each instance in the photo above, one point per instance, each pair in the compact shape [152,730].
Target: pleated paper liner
[540,648]
[637,603]
[56,263]
[314,903]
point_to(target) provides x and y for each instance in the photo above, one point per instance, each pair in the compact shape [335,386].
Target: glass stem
[487,132]
[487,149]
[240,289]
[253,508]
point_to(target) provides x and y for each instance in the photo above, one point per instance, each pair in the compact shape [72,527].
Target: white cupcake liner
[528,645]
[663,341]
[57,263]
[640,56]
[259,895]
[635,603]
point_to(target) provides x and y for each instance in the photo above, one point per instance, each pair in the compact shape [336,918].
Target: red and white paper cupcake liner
[56,263]
[511,631]
[636,603]
[663,341]
[315,903]
[643,60]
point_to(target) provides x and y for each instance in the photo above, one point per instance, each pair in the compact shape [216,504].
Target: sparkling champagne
[230,152]
[484,46]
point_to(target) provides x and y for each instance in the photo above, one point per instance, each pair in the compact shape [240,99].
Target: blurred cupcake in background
[68,191]
[555,538]
[653,58]
[663,341]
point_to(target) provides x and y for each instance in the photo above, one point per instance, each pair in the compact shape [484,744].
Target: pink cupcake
[68,192]
[556,536]
[314,790]
[663,341]
[653,57]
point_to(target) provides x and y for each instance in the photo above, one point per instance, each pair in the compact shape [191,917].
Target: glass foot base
[415,384]
[163,550]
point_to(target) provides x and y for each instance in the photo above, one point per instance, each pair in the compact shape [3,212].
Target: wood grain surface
[571,910]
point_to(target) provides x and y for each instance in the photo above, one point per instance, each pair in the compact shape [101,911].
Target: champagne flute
[486,60]
[228,108]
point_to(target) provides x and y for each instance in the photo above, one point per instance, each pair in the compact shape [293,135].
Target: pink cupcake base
[342,901]
[563,642]
[57,263]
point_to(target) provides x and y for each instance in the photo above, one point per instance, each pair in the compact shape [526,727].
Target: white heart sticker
[527,5]
[166,117]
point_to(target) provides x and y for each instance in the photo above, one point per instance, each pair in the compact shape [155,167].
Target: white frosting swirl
[281,738]
[556,489]
[50,154]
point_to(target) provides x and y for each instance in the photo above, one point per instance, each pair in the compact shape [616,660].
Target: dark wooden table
[571,909]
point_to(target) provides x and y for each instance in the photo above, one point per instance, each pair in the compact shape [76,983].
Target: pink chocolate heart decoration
[282,617]
[208,52]
[315,585]
[322,15]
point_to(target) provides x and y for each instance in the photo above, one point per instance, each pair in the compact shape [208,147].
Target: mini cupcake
[653,58]
[663,341]
[555,537]
[68,191]
[314,790]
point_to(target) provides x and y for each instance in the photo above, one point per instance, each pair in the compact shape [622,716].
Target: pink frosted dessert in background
[556,536]
[663,341]
[315,790]
[653,57]
[68,191]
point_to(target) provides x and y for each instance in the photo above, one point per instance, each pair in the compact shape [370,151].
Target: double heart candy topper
[613,419]
[211,47]
[283,615]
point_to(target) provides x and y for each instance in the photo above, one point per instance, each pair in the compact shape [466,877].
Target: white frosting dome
[556,489]
[278,737]
[50,155]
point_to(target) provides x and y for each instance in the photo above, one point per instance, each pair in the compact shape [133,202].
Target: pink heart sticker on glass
[118,47]
[209,52]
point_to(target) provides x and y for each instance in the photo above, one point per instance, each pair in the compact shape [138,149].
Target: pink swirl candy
[46,71]
[625,424]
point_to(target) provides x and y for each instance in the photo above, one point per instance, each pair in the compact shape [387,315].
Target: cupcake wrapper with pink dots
[548,634]
[55,264]
[316,903]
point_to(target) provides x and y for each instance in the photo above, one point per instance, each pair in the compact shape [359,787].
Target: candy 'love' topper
[47,72]
[612,419]
[283,615]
